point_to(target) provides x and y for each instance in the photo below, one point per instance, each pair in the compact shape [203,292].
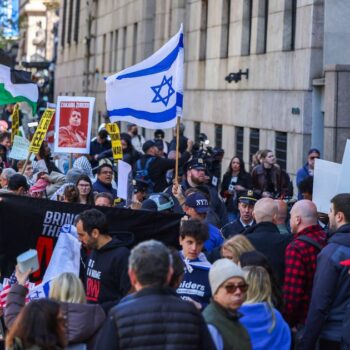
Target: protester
[136,139]
[265,236]
[234,247]
[71,194]
[282,217]
[308,169]
[331,285]
[228,288]
[266,327]
[104,182]
[130,155]
[183,140]
[159,135]
[81,162]
[235,181]
[3,157]
[70,180]
[38,190]
[196,207]
[300,262]
[246,202]
[84,186]
[305,187]
[255,258]
[5,140]
[5,176]
[104,199]
[99,145]
[155,314]
[28,172]
[106,273]
[18,185]
[44,160]
[195,283]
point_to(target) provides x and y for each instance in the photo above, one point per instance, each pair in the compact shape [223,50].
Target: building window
[281,149]
[115,50]
[225,28]
[266,20]
[64,19]
[218,135]
[134,44]
[203,30]
[254,137]
[76,23]
[104,52]
[70,22]
[111,52]
[124,48]
[247,27]
[197,131]
[239,141]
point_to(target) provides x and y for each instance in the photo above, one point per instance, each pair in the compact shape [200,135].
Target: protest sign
[124,179]
[41,130]
[41,221]
[322,191]
[73,122]
[113,131]
[343,185]
[20,148]
[15,122]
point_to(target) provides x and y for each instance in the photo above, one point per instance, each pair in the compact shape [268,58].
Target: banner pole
[26,163]
[177,150]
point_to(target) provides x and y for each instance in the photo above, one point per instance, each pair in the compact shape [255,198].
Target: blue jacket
[257,319]
[331,291]
[99,187]
[302,173]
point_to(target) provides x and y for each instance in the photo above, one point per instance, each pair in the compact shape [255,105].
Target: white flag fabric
[150,93]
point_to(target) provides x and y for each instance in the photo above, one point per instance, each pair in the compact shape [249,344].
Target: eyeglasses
[231,288]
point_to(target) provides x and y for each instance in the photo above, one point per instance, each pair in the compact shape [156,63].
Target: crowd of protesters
[254,269]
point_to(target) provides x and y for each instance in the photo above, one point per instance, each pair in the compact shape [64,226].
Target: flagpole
[26,163]
[177,150]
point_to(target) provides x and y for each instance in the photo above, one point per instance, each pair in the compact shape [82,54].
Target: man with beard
[196,178]
[331,289]
[107,278]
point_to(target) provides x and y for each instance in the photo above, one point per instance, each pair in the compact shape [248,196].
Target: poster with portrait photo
[73,124]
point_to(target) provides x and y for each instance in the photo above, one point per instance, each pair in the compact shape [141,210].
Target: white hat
[221,271]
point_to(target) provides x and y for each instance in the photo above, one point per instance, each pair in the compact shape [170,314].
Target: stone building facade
[292,94]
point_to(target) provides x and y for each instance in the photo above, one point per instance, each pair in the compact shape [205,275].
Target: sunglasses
[314,158]
[231,288]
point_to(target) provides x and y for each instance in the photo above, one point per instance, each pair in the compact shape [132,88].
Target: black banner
[27,222]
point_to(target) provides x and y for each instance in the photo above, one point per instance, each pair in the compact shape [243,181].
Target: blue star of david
[158,89]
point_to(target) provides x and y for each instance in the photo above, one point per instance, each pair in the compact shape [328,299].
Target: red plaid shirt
[300,267]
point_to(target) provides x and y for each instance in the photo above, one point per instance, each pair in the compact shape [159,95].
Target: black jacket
[155,318]
[329,312]
[234,228]
[266,238]
[107,278]
[159,167]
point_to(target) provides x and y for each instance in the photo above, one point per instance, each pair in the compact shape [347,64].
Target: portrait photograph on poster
[73,124]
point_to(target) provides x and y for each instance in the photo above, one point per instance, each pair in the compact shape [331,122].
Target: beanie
[221,271]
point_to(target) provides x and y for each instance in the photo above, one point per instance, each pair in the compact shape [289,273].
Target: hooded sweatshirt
[107,278]
[257,319]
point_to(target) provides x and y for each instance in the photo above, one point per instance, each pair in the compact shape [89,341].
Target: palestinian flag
[16,85]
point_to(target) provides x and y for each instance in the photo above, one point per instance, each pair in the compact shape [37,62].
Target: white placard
[343,185]
[73,124]
[326,175]
[124,170]
[20,148]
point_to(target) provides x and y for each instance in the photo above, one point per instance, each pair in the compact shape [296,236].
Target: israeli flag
[150,93]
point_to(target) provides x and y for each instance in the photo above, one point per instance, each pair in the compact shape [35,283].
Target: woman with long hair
[234,247]
[84,185]
[71,194]
[234,182]
[39,326]
[82,321]
[255,258]
[266,327]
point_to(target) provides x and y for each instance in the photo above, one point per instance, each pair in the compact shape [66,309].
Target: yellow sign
[113,131]
[41,130]
[15,122]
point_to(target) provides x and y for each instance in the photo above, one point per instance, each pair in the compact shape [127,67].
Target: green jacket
[234,335]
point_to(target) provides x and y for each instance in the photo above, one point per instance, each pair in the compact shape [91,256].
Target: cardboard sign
[124,179]
[15,122]
[41,130]
[20,148]
[73,124]
[113,131]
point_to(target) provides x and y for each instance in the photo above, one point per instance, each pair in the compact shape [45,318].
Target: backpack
[142,173]
[311,241]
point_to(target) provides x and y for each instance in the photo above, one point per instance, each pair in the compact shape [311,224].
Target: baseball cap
[147,145]
[313,150]
[16,181]
[198,201]
[196,163]
[248,197]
